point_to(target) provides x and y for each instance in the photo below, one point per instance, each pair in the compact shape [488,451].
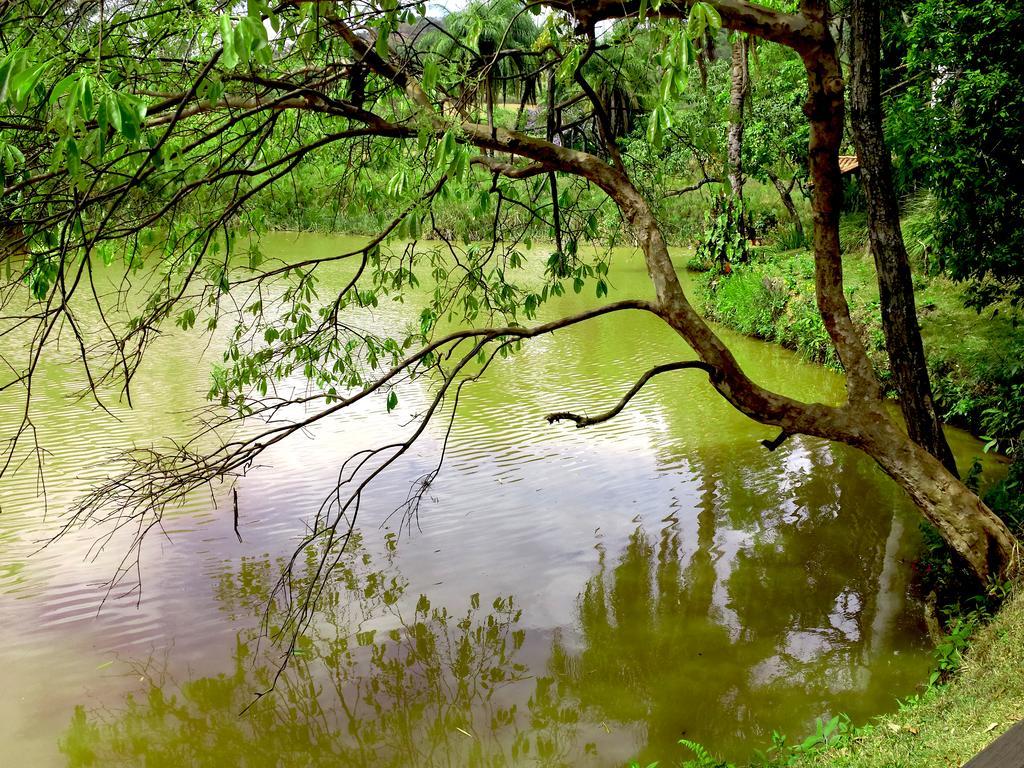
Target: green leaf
[62,87]
[566,71]
[74,159]
[22,84]
[113,111]
[129,119]
[657,124]
[10,66]
[230,57]
[214,89]
[711,14]
[85,86]
[5,77]
[380,45]
[431,71]
[392,400]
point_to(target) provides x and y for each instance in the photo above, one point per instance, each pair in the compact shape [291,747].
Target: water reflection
[675,577]
[374,682]
[747,624]
[717,624]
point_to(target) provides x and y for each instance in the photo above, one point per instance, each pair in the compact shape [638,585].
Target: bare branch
[694,187]
[586,421]
[775,442]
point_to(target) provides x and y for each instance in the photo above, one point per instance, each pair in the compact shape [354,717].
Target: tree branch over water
[148,212]
[587,421]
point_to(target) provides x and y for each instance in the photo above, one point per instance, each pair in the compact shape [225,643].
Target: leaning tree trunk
[737,102]
[970,528]
[973,531]
[895,286]
[786,195]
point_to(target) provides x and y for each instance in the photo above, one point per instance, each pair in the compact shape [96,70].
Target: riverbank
[975,359]
[949,724]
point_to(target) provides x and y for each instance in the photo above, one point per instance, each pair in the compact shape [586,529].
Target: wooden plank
[1005,752]
[848,164]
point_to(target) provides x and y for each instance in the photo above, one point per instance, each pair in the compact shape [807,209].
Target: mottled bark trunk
[737,102]
[825,109]
[895,285]
[974,532]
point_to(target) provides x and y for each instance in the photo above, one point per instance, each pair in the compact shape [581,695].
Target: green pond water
[565,597]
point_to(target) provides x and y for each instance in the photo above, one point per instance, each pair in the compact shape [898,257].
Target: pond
[563,597]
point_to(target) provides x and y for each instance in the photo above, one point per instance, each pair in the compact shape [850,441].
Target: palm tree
[492,40]
[622,79]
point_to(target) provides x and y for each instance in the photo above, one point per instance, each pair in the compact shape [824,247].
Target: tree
[895,285]
[960,131]
[493,41]
[739,95]
[775,138]
[152,114]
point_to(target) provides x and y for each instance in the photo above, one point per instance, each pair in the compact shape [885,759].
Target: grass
[947,725]
[975,359]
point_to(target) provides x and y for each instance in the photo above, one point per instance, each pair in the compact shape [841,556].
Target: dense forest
[842,178]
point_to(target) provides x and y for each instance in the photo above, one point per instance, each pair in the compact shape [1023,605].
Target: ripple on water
[633,546]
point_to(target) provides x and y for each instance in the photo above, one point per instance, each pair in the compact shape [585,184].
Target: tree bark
[825,109]
[737,101]
[786,195]
[556,217]
[895,286]
[973,531]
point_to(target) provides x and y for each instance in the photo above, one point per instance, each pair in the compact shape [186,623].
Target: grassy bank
[949,724]
[976,359]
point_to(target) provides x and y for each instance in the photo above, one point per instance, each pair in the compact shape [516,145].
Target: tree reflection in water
[763,601]
[370,684]
[780,609]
